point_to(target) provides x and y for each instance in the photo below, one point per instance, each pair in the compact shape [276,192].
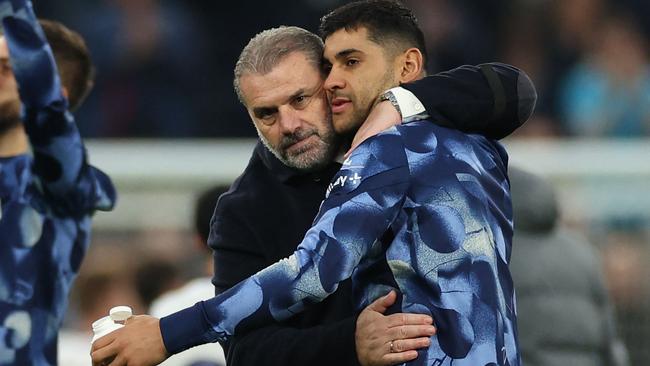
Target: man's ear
[412,65]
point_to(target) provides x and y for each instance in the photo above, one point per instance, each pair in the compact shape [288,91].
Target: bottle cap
[120,313]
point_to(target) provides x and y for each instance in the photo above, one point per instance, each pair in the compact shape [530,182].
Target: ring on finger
[392,347]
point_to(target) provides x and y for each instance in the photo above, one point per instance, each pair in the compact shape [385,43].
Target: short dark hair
[72,59]
[386,21]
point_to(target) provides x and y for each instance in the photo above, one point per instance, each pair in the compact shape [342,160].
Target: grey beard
[310,166]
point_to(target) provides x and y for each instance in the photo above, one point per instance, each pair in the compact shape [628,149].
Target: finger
[130,319]
[404,345]
[103,355]
[398,319]
[411,331]
[104,362]
[103,342]
[381,304]
[118,361]
[398,357]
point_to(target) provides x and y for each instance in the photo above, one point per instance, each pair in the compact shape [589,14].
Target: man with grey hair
[272,204]
[262,54]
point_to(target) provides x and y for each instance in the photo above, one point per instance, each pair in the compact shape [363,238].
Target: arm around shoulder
[492,99]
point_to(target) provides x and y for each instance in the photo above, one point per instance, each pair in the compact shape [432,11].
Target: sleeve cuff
[409,105]
[185,329]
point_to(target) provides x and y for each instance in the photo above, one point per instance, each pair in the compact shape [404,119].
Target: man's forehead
[346,40]
[274,89]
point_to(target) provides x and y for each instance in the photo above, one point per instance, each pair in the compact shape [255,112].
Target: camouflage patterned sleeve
[60,161]
[363,199]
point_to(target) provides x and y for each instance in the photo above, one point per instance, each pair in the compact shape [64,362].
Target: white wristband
[409,104]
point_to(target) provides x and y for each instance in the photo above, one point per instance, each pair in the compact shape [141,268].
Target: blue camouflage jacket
[419,208]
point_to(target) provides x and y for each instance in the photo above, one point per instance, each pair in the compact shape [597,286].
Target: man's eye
[351,62]
[5,67]
[263,114]
[267,119]
[301,101]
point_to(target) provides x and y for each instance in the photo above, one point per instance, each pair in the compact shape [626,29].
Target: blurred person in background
[625,251]
[569,32]
[148,55]
[607,94]
[226,116]
[546,38]
[458,32]
[48,197]
[197,289]
[287,186]
[461,32]
[523,46]
[564,313]
[154,277]
[100,287]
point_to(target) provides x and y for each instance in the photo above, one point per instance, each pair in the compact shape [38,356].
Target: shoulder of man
[236,213]
[248,185]
[423,135]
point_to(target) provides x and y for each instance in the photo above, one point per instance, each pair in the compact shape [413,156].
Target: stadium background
[164,122]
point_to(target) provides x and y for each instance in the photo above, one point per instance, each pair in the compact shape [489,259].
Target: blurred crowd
[164,68]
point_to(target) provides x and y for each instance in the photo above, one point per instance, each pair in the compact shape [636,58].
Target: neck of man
[13,142]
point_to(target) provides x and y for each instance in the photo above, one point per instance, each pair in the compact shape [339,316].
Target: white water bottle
[115,320]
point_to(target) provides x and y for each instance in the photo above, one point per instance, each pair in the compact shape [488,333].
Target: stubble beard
[309,158]
[363,106]
[9,115]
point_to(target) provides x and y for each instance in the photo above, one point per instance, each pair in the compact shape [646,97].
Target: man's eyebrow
[261,111]
[271,109]
[346,52]
[296,94]
[340,55]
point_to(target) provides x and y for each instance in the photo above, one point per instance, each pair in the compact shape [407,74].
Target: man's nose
[334,80]
[289,120]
